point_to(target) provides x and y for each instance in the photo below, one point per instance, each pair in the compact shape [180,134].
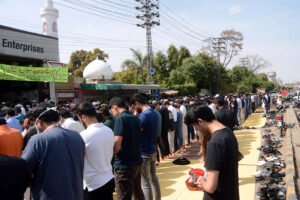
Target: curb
[290,168]
[290,165]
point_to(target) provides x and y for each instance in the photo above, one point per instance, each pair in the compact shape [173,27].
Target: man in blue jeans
[149,128]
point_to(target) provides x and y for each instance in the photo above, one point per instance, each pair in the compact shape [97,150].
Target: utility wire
[117,20]
[128,2]
[180,29]
[177,38]
[186,22]
[117,7]
[117,3]
[96,8]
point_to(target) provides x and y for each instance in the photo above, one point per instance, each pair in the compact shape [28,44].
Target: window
[45,27]
[54,27]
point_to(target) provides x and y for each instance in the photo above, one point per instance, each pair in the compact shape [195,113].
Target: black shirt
[14,177]
[164,120]
[226,117]
[31,132]
[129,127]
[222,156]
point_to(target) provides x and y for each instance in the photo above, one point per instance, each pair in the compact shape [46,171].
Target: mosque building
[26,61]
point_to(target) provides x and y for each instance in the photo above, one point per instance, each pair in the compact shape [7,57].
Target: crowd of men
[89,151]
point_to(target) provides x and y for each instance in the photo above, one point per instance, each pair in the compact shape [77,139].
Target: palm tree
[137,64]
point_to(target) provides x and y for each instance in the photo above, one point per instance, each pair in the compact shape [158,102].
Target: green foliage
[136,69]
[81,58]
[161,69]
[172,58]
[181,71]
[125,76]
[182,54]
[177,78]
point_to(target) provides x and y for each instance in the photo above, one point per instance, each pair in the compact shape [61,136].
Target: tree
[176,77]
[182,54]
[162,74]
[81,58]
[172,57]
[195,71]
[227,46]
[138,65]
[257,63]
[125,76]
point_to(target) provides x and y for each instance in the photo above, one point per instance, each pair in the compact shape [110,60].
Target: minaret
[49,16]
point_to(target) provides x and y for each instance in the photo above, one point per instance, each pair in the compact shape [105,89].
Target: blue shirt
[56,159]
[12,122]
[129,127]
[179,123]
[20,116]
[149,125]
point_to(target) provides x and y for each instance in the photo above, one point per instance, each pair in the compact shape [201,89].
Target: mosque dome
[97,69]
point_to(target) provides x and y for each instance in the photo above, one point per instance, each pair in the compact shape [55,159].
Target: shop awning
[117,87]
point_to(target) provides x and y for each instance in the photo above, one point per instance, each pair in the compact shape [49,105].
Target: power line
[172,39]
[169,33]
[173,29]
[112,6]
[183,31]
[117,3]
[117,20]
[97,8]
[186,22]
[128,2]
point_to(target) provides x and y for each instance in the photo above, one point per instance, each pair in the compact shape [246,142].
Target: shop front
[22,55]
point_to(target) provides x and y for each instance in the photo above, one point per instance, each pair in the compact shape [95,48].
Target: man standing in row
[11,140]
[149,128]
[68,122]
[55,158]
[127,150]
[98,179]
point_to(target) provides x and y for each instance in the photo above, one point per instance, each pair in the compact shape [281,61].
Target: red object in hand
[191,181]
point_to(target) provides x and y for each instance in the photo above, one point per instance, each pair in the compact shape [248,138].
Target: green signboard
[38,74]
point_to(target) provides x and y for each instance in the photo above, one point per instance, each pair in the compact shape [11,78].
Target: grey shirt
[56,159]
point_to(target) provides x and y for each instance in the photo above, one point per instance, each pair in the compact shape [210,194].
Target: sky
[271,28]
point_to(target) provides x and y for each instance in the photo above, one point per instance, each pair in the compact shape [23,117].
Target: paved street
[172,177]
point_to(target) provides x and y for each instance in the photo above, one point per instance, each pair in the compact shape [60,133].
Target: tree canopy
[81,58]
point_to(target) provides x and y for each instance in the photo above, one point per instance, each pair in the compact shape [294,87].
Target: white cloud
[234,10]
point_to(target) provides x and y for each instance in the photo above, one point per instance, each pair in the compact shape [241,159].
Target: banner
[38,74]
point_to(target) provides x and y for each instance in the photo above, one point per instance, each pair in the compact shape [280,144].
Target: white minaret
[49,16]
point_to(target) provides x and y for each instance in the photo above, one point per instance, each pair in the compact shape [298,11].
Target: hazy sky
[271,28]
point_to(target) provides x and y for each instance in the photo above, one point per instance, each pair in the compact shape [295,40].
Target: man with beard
[55,157]
[221,159]
[149,129]
[223,115]
[127,150]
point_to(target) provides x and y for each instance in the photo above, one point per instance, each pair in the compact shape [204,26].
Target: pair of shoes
[181,161]
[261,163]
[272,193]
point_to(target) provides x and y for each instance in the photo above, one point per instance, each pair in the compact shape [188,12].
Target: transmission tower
[150,17]
[218,48]
[244,63]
